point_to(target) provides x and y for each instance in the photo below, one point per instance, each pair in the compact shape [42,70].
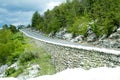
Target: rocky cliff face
[113,41]
[30,72]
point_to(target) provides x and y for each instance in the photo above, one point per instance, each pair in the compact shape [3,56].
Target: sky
[18,12]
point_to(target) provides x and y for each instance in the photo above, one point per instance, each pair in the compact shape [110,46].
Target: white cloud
[51,5]
[20,17]
[20,11]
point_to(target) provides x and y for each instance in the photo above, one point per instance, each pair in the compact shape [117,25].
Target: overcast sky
[20,11]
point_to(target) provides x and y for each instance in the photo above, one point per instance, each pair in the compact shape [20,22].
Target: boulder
[30,72]
[118,30]
[3,68]
[114,44]
[91,35]
[114,36]
[105,43]
[60,34]
[89,32]
[15,65]
[103,37]
[109,43]
[79,38]
[33,70]
[114,29]
[91,38]
[51,34]
[68,36]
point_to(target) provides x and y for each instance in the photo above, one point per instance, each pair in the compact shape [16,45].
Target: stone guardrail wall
[65,57]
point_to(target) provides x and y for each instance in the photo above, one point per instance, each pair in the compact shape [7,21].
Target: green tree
[37,20]
[69,15]
[5,26]
[11,46]
[13,28]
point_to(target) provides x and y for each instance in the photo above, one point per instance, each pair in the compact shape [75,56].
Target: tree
[11,45]
[5,26]
[72,13]
[13,28]
[36,20]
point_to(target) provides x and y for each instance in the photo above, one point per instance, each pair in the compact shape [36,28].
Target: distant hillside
[77,15]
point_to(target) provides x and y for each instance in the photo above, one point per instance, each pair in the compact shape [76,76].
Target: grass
[16,73]
[41,57]
[43,60]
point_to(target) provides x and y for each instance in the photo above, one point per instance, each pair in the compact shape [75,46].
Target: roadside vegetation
[17,48]
[77,15]
[38,56]
[11,44]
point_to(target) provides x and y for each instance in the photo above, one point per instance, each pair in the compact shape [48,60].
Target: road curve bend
[39,36]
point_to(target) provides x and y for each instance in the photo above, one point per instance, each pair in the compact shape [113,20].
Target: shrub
[79,26]
[26,56]
[16,73]
[10,71]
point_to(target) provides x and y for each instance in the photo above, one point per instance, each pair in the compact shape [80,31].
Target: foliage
[37,20]
[35,55]
[26,57]
[107,14]
[10,71]
[11,45]
[5,26]
[79,26]
[13,28]
[14,47]
[16,73]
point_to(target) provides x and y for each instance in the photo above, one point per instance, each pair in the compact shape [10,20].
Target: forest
[11,44]
[103,16]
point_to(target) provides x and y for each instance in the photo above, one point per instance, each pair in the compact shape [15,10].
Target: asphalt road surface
[39,36]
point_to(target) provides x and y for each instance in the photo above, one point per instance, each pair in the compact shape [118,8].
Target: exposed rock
[3,68]
[114,36]
[114,44]
[91,38]
[91,35]
[118,30]
[109,43]
[104,43]
[15,65]
[30,72]
[89,31]
[67,36]
[33,70]
[79,38]
[60,33]
[114,29]
[51,34]
[103,37]
[113,41]
[118,40]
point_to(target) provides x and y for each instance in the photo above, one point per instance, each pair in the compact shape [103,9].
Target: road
[41,37]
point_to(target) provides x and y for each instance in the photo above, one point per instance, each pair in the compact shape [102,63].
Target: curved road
[39,36]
